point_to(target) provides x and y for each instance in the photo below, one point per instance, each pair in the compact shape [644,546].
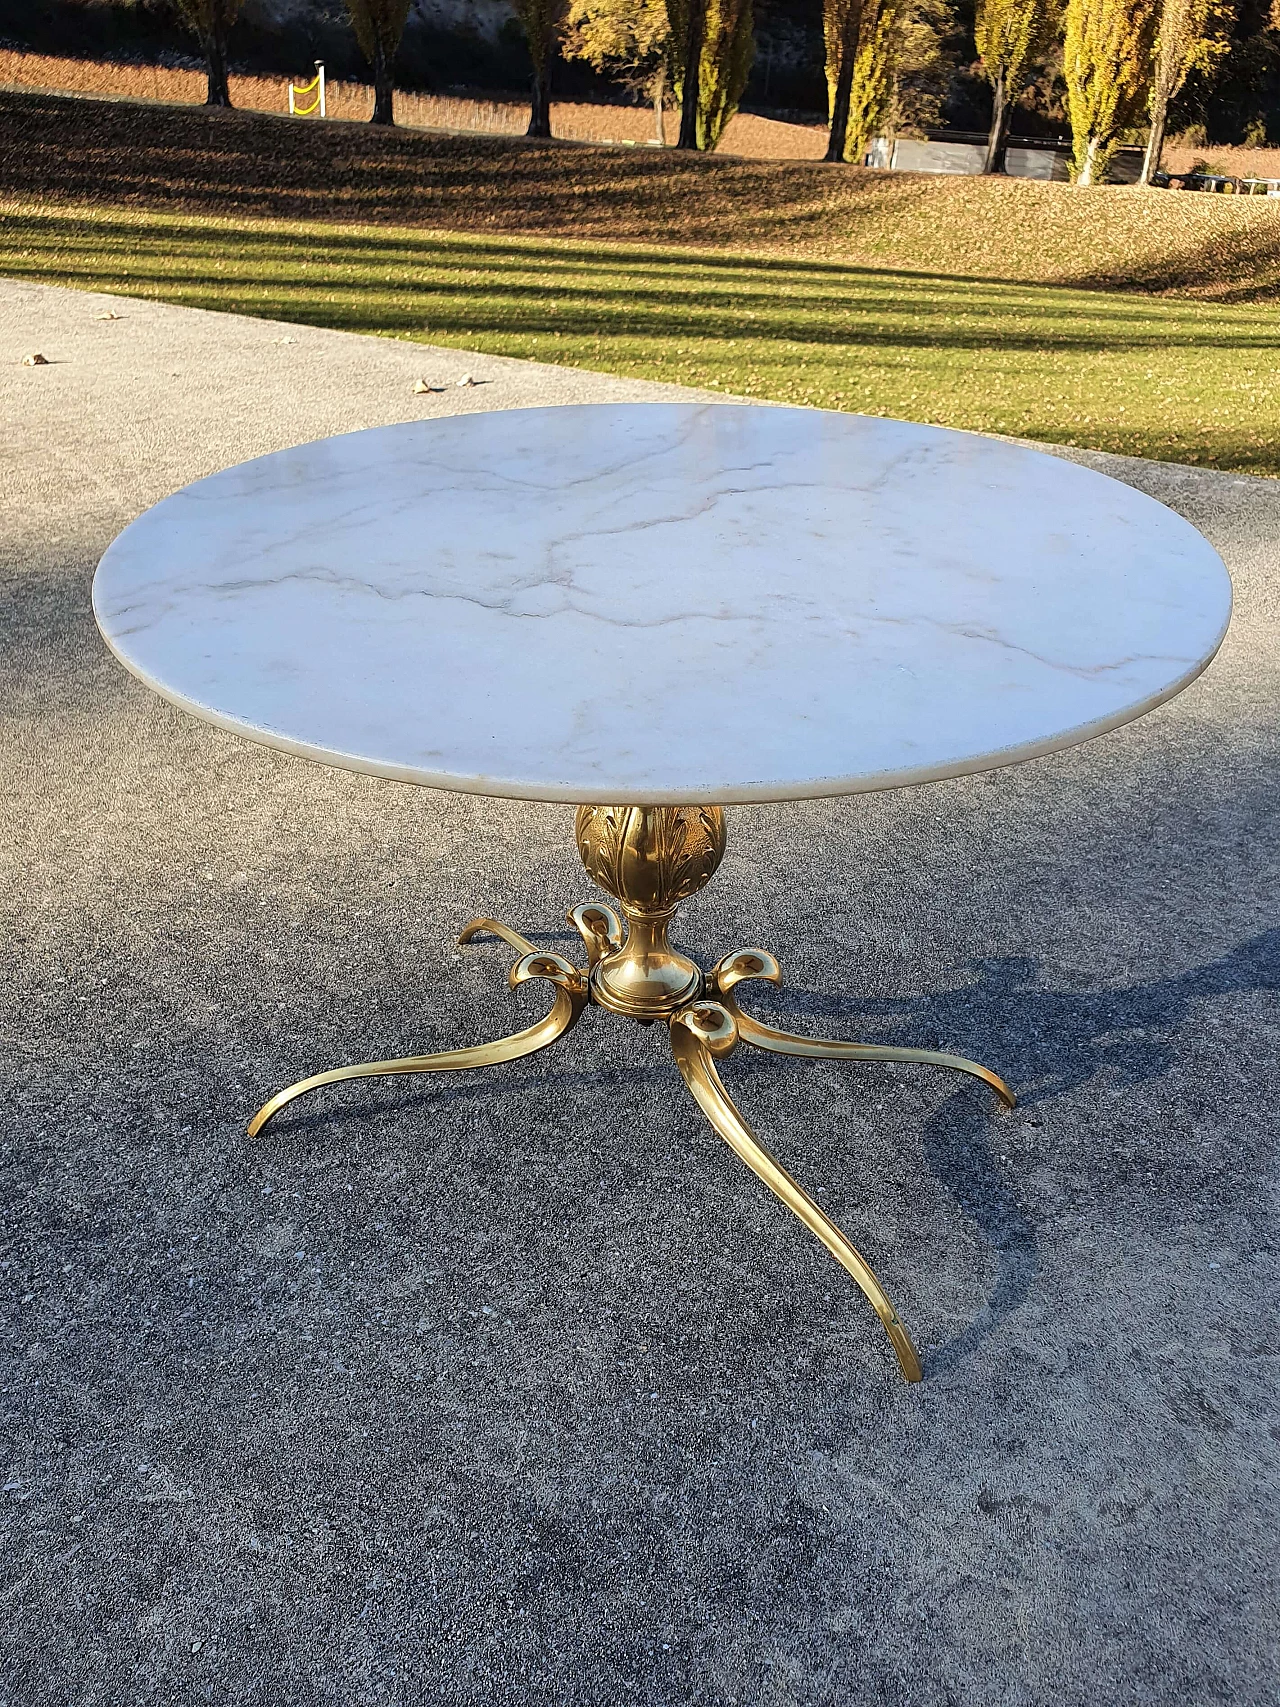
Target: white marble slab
[649,603]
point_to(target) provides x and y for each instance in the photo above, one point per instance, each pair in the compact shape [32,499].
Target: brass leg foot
[706,1030]
[756,963]
[571,998]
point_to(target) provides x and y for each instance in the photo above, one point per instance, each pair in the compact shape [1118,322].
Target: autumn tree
[1191,35]
[841,31]
[1012,37]
[712,46]
[687,20]
[871,97]
[1107,64]
[728,48]
[627,40]
[861,38]
[541,21]
[924,62]
[212,20]
[379,25]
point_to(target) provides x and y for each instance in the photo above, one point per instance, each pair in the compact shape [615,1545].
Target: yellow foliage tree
[629,40]
[861,38]
[871,96]
[541,21]
[841,28]
[379,25]
[1106,60]
[1012,37]
[923,67]
[1191,35]
[858,36]
[712,46]
[212,20]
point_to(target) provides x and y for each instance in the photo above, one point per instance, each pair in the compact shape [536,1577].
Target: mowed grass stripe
[1188,381]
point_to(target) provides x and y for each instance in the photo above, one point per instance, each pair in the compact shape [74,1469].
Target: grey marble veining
[663,602]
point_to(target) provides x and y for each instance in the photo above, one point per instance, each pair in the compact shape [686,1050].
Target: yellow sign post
[316,88]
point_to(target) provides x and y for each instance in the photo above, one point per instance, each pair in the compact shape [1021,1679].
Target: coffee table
[655,611]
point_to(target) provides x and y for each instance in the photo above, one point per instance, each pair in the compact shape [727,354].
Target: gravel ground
[519,1388]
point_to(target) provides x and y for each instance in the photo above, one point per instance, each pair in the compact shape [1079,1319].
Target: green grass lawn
[1154,377]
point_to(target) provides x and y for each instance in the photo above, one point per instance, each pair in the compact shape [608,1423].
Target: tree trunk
[214,43]
[999,123]
[840,106]
[1155,138]
[383,85]
[692,74]
[660,106]
[540,101]
[1090,155]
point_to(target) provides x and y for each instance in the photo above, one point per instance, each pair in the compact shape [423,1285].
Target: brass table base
[651,858]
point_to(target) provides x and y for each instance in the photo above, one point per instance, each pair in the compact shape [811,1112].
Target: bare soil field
[1182,156]
[748,134]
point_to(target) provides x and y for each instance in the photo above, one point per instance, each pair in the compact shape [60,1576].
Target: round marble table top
[663,603]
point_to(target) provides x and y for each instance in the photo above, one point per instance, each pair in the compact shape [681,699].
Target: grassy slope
[1186,379]
[1219,247]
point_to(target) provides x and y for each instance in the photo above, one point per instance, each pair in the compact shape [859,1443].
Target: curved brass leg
[493,927]
[571,998]
[599,927]
[757,963]
[706,1030]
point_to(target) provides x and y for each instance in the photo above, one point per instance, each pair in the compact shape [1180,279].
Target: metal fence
[1038,157]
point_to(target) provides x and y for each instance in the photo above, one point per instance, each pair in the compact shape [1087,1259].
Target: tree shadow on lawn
[244,163]
[252,162]
[1151,292]
[879,308]
[521,252]
[1202,274]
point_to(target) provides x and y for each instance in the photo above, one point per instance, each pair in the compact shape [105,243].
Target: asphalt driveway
[518,1387]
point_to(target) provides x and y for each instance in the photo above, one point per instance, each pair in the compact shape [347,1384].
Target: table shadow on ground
[1050,1041]
[1047,1040]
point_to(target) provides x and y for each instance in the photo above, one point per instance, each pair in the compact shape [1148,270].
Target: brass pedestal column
[650,859]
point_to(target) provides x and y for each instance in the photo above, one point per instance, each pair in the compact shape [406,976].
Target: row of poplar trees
[649,44]
[1123,61]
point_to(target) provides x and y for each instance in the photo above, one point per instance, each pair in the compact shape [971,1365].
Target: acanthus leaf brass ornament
[650,858]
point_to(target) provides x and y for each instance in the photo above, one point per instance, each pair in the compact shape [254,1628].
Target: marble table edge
[746,794]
